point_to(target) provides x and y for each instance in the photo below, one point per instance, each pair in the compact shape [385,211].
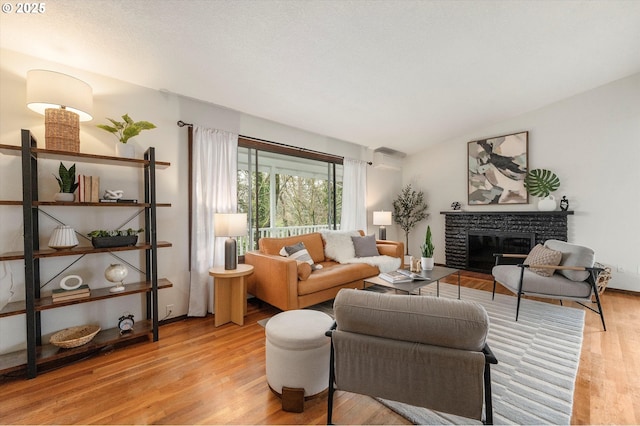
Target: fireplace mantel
[458,224]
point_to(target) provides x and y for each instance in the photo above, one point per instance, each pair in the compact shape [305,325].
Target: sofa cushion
[335,274]
[365,246]
[338,245]
[541,255]
[304,270]
[573,255]
[312,242]
[555,285]
[452,323]
[298,252]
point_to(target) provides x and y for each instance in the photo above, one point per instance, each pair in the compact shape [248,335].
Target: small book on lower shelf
[61,295]
[401,276]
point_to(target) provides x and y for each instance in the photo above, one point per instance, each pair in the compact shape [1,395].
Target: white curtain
[354,196]
[215,181]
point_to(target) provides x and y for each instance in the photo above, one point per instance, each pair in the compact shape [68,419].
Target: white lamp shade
[49,89]
[230,224]
[63,237]
[382,218]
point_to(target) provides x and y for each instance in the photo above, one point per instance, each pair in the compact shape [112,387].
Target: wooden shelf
[75,204]
[48,354]
[90,158]
[45,303]
[10,203]
[79,250]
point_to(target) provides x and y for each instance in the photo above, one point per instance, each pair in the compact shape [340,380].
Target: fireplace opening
[481,247]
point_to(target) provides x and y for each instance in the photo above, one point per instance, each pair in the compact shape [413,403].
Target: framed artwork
[496,170]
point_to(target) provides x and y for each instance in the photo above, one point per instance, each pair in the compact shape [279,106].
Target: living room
[588,137]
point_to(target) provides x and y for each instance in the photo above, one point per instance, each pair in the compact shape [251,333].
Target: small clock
[125,324]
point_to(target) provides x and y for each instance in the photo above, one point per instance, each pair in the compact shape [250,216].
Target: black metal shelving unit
[37,354]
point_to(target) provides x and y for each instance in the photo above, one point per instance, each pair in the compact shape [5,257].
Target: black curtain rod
[183,124]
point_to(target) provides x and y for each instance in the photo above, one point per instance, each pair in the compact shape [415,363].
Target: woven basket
[74,336]
[603,277]
[61,130]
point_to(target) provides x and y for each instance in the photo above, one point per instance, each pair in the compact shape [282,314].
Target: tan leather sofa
[279,281]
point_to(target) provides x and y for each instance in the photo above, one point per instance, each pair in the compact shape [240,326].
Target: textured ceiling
[400,74]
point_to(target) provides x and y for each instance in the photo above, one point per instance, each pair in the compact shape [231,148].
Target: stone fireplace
[471,238]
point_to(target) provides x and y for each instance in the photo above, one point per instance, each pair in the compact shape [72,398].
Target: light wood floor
[198,374]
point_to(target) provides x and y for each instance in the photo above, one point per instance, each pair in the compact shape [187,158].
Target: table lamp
[382,218]
[230,225]
[64,101]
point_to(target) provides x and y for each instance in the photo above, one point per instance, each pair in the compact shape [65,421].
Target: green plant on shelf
[114,233]
[125,130]
[67,179]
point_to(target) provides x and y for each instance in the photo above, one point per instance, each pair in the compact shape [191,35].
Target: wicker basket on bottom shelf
[73,337]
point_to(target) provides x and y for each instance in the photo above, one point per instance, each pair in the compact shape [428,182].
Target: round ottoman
[297,355]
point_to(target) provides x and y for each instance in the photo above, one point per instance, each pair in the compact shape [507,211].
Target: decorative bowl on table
[73,337]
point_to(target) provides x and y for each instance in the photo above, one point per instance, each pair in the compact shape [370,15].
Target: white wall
[112,98]
[591,141]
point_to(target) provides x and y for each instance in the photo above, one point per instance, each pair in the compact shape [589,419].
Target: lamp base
[383,233]
[230,254]
[61,130]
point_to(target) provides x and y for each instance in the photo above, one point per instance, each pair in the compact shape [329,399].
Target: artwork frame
[496,168]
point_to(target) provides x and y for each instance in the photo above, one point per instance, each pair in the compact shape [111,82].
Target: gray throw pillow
[298,252]
[365,246]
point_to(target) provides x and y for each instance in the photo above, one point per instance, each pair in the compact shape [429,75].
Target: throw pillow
[541,255]
[298,252]
[365,246]
[304,270]
[338,245]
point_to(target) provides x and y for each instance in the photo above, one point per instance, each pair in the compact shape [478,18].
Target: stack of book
[62,295]
[88,189]
[400,276]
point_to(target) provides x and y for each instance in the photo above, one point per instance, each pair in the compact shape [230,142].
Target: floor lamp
[382,218]
[230,225]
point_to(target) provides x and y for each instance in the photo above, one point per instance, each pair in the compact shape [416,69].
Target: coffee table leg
[458,284]
[438,288]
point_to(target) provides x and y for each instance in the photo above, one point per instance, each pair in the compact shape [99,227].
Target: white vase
[64,197]
[426,263]
[547,204]
[125,150]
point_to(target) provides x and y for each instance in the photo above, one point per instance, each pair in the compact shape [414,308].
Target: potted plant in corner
[116,238]
[125,130]
[426,261]
[541,183]
[67,182]
[409,209]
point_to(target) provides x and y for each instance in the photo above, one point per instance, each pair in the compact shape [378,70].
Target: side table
[230,293]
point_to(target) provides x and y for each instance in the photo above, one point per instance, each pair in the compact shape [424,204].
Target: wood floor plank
[199,374]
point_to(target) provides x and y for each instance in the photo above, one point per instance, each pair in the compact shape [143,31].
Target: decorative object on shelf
[64,101]
[426,261]
[116,273]
[230,225]
[63,237]
[88,189]
[73,337]
[456,206]
[125,130]
[541,183]
[382,218]
[564,203]
[125,323]
[113,194]
[409,209]
[67,182]
[116,238]
[71,282]
[496,168]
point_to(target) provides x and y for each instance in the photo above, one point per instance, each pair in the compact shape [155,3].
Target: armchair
[572,277]
[424,351]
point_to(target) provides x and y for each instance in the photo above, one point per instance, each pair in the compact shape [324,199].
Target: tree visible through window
[286,195]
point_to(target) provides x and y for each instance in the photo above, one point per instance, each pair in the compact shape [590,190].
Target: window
[286,191]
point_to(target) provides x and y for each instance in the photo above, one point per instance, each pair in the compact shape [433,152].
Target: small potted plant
[125,130]
[541,183]
[115,238]
[426,261]
[67,181]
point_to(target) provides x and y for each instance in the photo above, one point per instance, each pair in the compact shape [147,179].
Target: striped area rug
[538,357]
